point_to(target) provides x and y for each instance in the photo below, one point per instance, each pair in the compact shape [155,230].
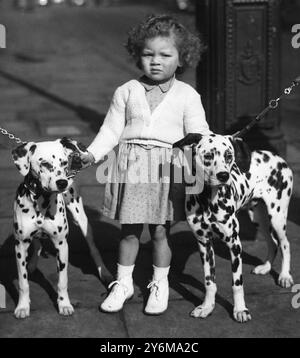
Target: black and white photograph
[149,171]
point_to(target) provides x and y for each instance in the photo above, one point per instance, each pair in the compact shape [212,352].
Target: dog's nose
[61,184]
[223,176]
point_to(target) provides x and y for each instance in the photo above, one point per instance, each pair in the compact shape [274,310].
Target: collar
[150,85]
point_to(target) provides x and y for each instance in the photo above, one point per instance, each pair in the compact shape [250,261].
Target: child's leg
[160,240]
[122,288]
[159,287]
[129,245]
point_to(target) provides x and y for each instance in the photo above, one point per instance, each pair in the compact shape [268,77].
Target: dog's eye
[228,157]
[47,165]
[208,156]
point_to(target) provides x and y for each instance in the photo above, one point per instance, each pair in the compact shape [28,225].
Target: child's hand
[87,159]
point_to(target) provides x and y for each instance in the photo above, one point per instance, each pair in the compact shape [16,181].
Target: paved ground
[56,78]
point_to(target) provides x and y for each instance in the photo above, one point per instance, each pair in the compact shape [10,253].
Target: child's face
[159,58]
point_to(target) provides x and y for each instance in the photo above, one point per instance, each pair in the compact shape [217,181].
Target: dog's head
[49,162]
[217,156]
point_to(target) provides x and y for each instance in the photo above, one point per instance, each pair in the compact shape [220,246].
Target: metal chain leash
[273,103]
[11,136]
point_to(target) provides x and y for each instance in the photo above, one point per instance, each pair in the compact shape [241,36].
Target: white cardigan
[129,118]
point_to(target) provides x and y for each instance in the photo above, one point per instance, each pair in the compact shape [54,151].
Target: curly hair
[189,46]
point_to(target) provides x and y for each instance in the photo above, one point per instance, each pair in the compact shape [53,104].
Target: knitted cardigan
[129,118]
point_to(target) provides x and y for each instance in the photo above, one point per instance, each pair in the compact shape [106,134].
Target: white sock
[160,272]
[124,271]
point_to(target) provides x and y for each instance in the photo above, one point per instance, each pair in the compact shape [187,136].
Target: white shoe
[158,298]
[121,291]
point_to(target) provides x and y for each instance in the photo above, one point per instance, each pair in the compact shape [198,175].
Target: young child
[147,116]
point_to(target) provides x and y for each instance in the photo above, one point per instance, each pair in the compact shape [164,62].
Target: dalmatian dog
[234,178]
[40,210]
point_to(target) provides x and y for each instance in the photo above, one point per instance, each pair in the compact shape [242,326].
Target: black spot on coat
[235,264]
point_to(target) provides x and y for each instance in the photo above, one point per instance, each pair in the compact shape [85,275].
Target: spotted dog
[40,209]
[230,183]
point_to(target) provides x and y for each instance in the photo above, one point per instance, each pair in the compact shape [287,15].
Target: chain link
[289,89]
[11,136]
[274,103]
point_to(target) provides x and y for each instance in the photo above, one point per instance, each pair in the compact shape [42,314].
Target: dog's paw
[22,311]
[242,316]
[64,306]
[65,309]
[202,311]
[262,269]
[285,280]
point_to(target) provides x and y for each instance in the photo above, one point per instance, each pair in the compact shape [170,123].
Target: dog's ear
[73,145]
[68,144]
[194,178]
[189,139]
[242,154]
[21,156]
